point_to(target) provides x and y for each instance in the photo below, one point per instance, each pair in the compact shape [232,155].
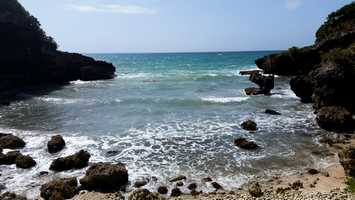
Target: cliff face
[29,57]
[324,73]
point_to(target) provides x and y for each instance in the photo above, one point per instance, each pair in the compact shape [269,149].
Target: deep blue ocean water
[163,115]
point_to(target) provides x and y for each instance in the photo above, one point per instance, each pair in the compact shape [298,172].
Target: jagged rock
[11,196]
[302,86]
[105,176]
[56,144]
[76,161]
[335,118]
[25,162]
[265,83]
[163,190]
[143,194]
[65,188]
[272,112]
[249,125]
[245,144]
[178,178]
[8,141]
[9,158]
[347,160]
[192,186]
[216,186]
[255,190]
[175,192]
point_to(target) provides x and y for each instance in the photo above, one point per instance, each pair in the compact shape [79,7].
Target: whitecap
[224,99]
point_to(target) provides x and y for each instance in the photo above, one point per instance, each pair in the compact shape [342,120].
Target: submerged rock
[175,192]
[255,190]
[11,196]
[8,141]
[56,144]
[177,178]
[245,144]
[105,176]
[77,161]
[9,158]
[163,190]
[25,162]
[143,194]
[249,125]
[65,188]
[272,112]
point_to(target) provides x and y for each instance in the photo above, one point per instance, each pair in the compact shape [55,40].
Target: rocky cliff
[324,73]
[29,57]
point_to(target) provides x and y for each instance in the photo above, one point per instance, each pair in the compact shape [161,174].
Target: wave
[224,99]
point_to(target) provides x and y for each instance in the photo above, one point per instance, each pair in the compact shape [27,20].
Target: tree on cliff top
[338,22]
[12,12]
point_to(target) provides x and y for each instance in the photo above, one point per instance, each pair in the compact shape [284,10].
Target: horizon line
[180,52]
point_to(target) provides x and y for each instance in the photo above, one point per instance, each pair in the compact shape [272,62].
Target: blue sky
[110,26]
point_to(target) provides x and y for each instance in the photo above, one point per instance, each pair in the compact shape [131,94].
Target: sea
[166,114]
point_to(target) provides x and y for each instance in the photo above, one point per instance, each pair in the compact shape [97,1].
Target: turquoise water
[166,114]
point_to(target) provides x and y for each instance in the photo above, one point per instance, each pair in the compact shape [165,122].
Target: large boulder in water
[25,162]
[9,141]
[105,177]
[77,161]
[335,118]
[245,144]
[265,83]
[65,188]
[56,144]
[9,158]
[249,125]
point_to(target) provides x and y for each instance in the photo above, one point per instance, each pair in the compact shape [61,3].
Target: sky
[124,26]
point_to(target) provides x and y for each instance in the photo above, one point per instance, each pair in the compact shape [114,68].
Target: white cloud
[293,4]
[113,8]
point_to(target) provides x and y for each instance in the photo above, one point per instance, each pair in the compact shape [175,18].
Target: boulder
[175,192]
[65,188]
[105,177]
[255,190]
[56,144]
[249,125]
[8,141]
[313,171]
[11,196]
[335,118]
[192,186]
[216,186]
[140,182]
[251,91]
[143,194]
[163,190]
[9,158]
[25,162]
[272,112]
[245,144]
[265,83]
[77,161]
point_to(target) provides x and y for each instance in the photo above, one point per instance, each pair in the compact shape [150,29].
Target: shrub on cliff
[338,22]
[342,57]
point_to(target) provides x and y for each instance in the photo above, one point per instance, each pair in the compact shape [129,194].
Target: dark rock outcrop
[65,188]
[143,194]
[255,190]
[272,112]
[28,57]
[105,177]
[9,141]
[347,160]
[245,144]
[77,161]
[25,162]
[265,82]
[175,192]
[56,144]
[323,73]
[249,125]
[163,190]
[9,158]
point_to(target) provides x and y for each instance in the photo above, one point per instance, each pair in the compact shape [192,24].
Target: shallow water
[166,114]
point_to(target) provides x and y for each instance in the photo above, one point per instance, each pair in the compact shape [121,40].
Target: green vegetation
[339,21]
[343,57]
[350,182]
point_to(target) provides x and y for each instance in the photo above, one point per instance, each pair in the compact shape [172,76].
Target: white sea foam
[59,100]
[224,99]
